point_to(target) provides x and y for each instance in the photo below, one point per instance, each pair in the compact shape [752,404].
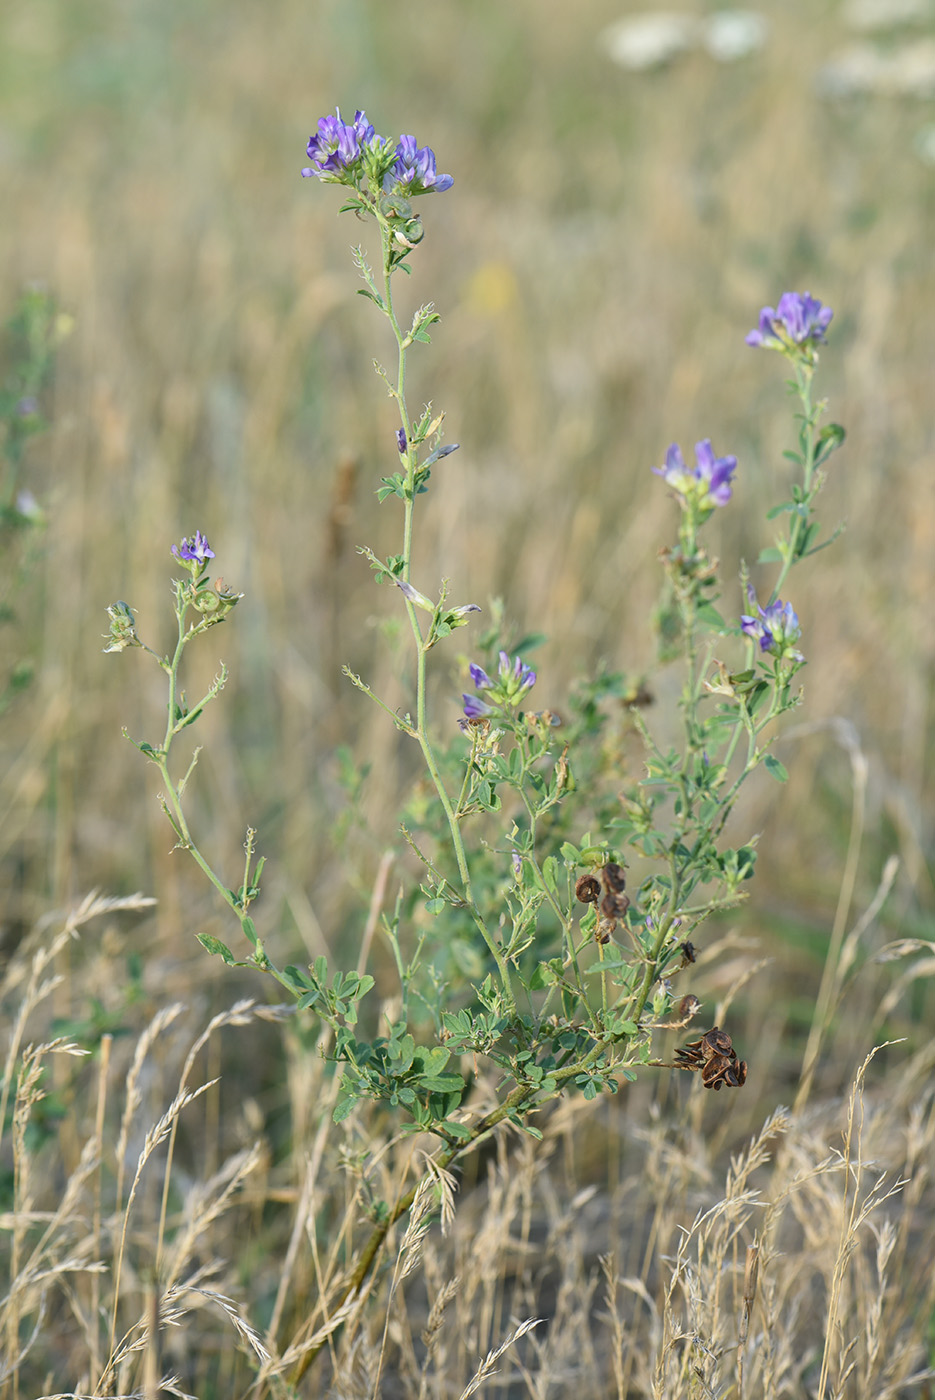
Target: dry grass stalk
[844,1274]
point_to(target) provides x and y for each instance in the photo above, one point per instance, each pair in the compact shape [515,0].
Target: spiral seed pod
[587,889]
[614,906]
[614,878]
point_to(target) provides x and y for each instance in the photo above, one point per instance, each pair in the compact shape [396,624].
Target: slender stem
[402,342]
[803,382]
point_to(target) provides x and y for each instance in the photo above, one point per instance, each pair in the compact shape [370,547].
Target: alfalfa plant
[555,912]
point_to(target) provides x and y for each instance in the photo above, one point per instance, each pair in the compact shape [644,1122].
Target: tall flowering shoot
[553,901]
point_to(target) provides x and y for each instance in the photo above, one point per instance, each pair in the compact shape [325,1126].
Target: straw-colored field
[609,240]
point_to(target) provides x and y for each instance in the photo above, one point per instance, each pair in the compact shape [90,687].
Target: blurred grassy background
[609,240]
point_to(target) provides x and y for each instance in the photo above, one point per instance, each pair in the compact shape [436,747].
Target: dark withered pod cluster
[716,1057]
[606,890]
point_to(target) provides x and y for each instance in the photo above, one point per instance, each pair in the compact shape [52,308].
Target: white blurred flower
[867,15]
[905,71]
[732,34]
[649,40]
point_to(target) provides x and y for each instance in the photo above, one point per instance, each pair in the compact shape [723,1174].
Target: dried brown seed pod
[713,1054]
[715,1042]
[587,889]
[715,1070]
[614,906]
[614,878]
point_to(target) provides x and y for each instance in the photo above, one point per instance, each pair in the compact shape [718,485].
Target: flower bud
[122,628]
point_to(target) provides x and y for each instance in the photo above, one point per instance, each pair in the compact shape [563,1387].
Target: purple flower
[27,407]
[776,628]
[475,708]
[197,552]
[512,681]
[707,484]
[401,441]
[337,145]
[414,171]
[418,599]
[797,319]
[515,677]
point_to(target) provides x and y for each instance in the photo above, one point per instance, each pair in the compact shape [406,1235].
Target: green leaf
[529,642]
[307,999]
[829,440]
[710,617]
[249,928]
[456,1130]
[776,768]
[593,855]
[756,695]
[216,947]
[297,977]
[342,1108]
[542,976]
[608,965]
[550,874]
[442,1083]
[434,1060]
[769,556]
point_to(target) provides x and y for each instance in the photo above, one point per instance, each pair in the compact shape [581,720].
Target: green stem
[518,1101]
[428,753]
[803,382]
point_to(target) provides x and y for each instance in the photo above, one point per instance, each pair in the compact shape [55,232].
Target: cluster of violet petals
[514,678]
[198,551]
[709,480]
[338,144]
[336,149]
[798,319]
[776,628]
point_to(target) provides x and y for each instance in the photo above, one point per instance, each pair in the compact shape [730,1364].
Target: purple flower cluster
[705,485]
[776,629]
[339,154]
[799,319]
[196,552]
[414,171]
[513,680]
[338,145]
